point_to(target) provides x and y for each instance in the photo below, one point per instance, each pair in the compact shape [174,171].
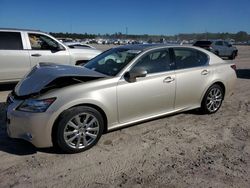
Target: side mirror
[135,73]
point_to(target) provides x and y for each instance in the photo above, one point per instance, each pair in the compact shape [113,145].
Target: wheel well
[104,116]
[54,128]
[222,86]
[216,83]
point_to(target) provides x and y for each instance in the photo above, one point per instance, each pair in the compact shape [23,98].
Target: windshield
[112,61]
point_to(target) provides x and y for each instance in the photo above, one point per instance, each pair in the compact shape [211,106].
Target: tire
[236,53]
[233,55]
[79,129]
[212,99]
[217,53]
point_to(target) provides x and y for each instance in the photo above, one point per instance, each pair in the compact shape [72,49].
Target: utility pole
[206,33]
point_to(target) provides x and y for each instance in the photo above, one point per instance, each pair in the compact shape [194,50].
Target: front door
[150,95]
[47,50]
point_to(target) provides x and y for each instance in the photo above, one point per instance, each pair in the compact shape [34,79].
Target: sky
[159,17]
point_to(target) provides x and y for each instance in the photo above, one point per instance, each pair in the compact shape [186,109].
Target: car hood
[47,76]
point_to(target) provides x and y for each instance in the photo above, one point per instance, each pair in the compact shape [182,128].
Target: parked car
[219,47]
[71,107]
[20,50]
[78,45]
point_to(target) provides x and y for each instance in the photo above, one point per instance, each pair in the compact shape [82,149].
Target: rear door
[45,49]
[14,59]
[193,75]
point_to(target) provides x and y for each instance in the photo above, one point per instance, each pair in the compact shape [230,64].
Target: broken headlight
[35,105]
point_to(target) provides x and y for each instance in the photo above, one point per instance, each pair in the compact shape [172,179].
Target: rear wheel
[212,100]
[79,129]
[233,55]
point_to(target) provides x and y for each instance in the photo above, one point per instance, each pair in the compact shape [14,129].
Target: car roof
[16,29]
[212,40]
[143,47]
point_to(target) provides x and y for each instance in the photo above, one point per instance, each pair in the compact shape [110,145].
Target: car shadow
[243,73]
[17,146]
[7,87]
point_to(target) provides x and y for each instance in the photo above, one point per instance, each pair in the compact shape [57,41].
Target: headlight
[34,105]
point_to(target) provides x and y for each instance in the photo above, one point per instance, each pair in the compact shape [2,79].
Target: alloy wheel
[81,131]
[214,99]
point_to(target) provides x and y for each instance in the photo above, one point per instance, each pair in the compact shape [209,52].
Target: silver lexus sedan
[71,107]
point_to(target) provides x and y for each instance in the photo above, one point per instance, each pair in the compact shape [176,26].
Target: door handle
[204,72]
[36,55]
[168,79]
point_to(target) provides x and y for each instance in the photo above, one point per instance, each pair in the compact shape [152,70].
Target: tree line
[240,36]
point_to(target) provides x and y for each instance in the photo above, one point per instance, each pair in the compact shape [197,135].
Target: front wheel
[212,100]
[79,129]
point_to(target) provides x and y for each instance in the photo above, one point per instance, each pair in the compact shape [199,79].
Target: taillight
[233,67]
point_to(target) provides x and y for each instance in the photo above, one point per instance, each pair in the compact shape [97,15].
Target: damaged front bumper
[31,127]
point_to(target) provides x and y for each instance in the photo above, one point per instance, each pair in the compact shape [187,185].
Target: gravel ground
[184,150]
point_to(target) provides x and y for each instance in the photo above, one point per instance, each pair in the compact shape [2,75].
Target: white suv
[20,50]
[218,47]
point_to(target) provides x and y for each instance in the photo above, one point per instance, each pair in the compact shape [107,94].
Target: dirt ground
[184,150]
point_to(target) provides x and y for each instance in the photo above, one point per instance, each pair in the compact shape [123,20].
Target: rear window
[219,43]
[10,41]
[202,43]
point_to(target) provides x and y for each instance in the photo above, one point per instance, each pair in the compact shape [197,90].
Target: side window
[219,43]
[189,58]
[10,41]
[226,44]
[154,62]
[42,42]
